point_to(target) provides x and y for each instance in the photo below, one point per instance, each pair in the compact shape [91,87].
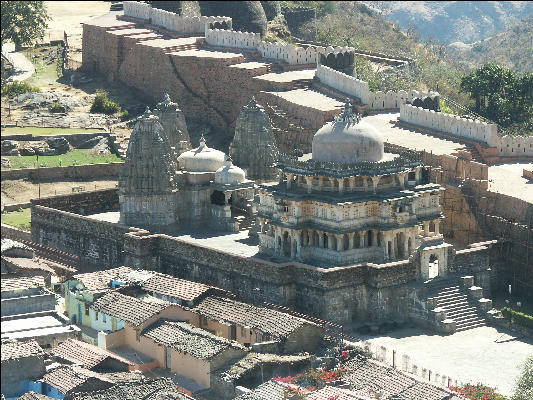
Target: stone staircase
[458,301]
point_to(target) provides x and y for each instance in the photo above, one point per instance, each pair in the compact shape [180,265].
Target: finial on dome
[252,104]
[166,98]
[347,114]
[147,113]
[202,142]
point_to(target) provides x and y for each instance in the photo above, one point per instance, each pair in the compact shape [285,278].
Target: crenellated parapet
[169,20]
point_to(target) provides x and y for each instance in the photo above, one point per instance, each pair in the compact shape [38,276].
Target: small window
[96,312]
[86,309]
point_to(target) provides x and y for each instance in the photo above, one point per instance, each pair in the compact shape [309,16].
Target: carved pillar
[437,226]
[289,180]
[401,178]
[340,242]
[351,240]
[281,176]
[362,239]
[426,228]
[405,249]
[341,185]
[417,175]
[309,181]
[292,239]
[375,182]
[330,242]
[374,235]
[351,183]
[262,224]
[298,246]
[365,183]
[320,239]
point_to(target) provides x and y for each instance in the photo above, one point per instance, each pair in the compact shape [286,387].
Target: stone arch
[369,238]
[356,240]
[218,198]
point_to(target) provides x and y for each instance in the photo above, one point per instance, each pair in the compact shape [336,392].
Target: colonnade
[342,185]
[394,244]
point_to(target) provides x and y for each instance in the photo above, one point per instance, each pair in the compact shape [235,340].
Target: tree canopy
[500,94]
[524,385]
[23,22]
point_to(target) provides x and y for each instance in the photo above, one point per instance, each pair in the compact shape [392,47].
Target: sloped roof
[100,280]
[188,339]
[127,308]
[34,396]
[12,350]
[270,390]
[266,320]
[21,282]
[182,289]
[330,392]
[146,389]
[68,377]
[85,354]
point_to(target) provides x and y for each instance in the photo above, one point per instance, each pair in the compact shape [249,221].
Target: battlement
[169,20]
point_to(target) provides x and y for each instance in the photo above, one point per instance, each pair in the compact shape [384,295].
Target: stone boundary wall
[357,88]
[227,38]
[82,203]
[90,171]
[508,146]
[169,20]
[13,233]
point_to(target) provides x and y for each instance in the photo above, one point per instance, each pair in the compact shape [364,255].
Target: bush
[518,317]
[15,88]
[478,392]
[124,115]
[524,385]
[57,108]
[102,104]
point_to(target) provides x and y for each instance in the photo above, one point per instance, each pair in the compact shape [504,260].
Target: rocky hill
[454,21]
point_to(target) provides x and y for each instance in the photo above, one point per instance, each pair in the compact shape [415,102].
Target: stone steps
[452,298]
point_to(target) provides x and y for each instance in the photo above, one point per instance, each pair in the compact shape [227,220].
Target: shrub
[518,317]
[57,108]
[102,104]
[15,88]
[124,115]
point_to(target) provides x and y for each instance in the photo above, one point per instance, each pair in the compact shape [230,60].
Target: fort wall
[508,146]
[91,171]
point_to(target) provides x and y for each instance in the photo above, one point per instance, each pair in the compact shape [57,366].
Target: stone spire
[254,147]
[174,125]
[148,178]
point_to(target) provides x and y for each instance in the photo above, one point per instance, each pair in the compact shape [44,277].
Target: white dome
[347,139]
[229,174]
[201,159]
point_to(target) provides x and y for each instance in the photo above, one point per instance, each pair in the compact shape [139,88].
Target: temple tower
[148,178]
[173,122]
[254,147]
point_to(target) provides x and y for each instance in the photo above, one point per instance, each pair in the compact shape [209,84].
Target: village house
[65,380]
[22,363]
[83,289]
[89,356]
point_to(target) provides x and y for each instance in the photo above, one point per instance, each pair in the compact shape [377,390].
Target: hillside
[512,48]
[453,21]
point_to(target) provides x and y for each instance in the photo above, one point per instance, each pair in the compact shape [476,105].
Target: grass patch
[75,157]
[19,219]
[45,71]
[39,131]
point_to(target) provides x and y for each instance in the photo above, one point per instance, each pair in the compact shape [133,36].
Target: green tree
[23,22]
[524,385]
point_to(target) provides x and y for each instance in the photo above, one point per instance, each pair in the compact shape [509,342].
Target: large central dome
[347,139]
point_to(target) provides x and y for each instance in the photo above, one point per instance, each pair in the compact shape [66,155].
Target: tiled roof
[127,308]
[12,350]
[22,282]
[22,263]
[188,339]
[263,319]
[370,377]
[329,392]
[68,377]
[146,389]
[182,289]
[270,390]
[85,354]
[34,396]
[100,280]
[8,244]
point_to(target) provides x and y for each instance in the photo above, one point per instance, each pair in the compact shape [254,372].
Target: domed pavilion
[355,199]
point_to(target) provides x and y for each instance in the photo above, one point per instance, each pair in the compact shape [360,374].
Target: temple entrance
[286,244]
[218,198]
[433,266]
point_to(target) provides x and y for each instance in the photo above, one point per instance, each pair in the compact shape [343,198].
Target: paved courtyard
[488,355]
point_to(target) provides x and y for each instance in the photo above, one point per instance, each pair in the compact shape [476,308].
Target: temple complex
[254,147]
[165,193]
[351,202]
